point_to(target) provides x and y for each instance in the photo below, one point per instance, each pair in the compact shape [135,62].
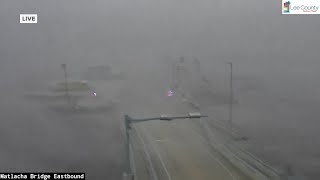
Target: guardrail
[252,166]
[244,154]
[243,159]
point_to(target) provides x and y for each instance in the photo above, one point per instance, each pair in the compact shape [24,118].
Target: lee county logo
[286,7]
[28,18]
[298,7]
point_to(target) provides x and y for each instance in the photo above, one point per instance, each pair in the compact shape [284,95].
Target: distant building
[103,72]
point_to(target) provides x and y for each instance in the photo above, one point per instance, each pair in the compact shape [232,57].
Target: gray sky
[253,34]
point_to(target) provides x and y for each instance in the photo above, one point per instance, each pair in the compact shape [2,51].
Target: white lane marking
[157,152]
[212,156]
[148,156]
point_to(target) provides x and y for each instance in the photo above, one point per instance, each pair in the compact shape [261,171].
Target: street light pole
[231,96]
[64,67]
[128,121]
[128,126]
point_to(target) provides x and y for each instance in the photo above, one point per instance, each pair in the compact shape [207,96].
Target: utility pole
[64,67]
[231,96]
[197,64]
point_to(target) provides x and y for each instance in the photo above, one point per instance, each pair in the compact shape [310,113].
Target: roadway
[179,152]
[174,150]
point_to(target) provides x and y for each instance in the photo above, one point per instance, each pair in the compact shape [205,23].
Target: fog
[279,52]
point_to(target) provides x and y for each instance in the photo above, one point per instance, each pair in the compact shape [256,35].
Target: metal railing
[241,158]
